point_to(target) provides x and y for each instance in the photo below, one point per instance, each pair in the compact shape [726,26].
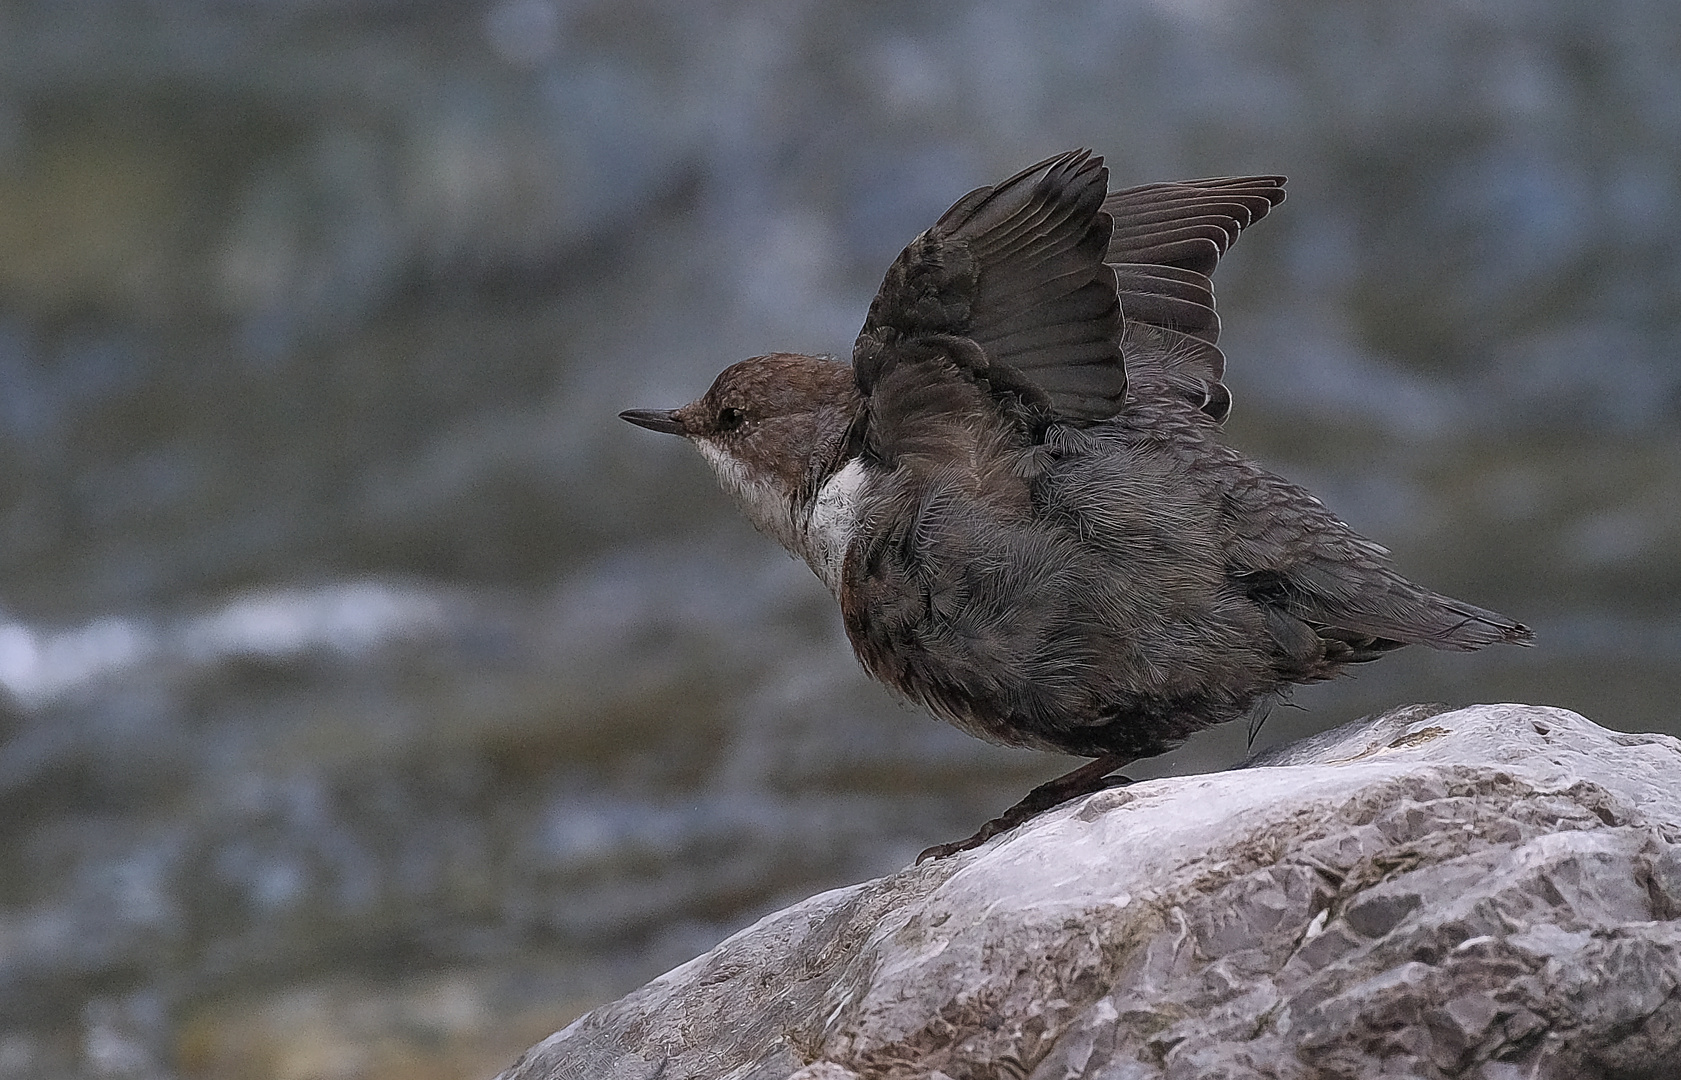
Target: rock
[1490,892]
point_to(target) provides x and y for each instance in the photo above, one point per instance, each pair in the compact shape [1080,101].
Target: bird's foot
[1091,777]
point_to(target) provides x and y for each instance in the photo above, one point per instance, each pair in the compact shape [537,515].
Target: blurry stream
[372,701]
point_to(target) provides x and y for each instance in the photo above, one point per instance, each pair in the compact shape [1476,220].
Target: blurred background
[374,701]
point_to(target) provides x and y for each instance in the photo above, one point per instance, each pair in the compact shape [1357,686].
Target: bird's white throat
[818,531]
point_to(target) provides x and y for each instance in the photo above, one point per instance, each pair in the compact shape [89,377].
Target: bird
[1019,494]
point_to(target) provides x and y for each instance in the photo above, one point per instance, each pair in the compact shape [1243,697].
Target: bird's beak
[655,420]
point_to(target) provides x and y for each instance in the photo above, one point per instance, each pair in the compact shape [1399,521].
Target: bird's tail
[1372,609]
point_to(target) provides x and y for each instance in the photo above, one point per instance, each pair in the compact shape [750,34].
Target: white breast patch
[834,521]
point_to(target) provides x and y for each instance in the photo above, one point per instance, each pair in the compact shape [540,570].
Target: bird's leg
[1090,777]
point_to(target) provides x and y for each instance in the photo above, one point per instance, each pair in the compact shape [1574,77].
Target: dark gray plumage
[1018,491]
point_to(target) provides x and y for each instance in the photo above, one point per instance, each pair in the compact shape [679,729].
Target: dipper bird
[1018,492]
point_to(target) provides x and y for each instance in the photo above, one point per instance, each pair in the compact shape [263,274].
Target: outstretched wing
[1045,292]
[1166,242]
[1009,292]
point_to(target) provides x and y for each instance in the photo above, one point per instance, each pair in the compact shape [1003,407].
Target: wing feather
[1018,269]
[1167,240]
[1057,298]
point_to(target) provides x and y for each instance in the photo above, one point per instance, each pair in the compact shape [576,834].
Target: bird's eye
[730,418]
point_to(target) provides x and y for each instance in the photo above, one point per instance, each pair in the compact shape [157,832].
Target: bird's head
[770,428]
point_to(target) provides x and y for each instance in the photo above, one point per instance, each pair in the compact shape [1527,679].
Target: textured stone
[1488,892]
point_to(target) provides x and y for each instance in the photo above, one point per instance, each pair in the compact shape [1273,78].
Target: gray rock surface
[1490,892]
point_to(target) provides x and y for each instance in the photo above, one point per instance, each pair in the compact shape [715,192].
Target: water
[374,700]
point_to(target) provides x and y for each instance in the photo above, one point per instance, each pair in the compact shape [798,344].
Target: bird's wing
[1007,292]
[1166,242]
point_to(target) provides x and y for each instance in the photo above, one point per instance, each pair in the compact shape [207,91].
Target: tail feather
[1368,608]
[1454,624]
[1406,614]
